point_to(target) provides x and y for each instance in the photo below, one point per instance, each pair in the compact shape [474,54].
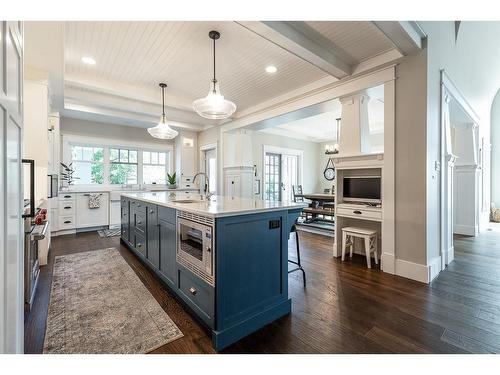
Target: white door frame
[11,258]
[449,91]
[281,151]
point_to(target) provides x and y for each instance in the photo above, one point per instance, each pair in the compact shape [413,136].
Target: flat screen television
[362,189]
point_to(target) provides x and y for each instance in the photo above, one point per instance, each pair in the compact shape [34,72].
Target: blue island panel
[252,273]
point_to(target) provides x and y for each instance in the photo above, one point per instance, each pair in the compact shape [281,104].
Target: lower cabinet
[197,294]
[167,227]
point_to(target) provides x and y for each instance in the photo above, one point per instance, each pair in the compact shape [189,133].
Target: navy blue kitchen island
[225,258]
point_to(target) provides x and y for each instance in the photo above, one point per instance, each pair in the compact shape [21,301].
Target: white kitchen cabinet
[185,158]
[91,217]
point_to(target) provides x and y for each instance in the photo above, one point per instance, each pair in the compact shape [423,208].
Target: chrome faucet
[208,194]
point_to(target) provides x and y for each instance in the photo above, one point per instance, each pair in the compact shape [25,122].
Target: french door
[281,172]
[11,228]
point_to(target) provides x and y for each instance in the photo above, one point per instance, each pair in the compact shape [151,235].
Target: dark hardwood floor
[346,308]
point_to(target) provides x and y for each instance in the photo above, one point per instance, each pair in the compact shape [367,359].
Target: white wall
[495,151]
[311,154]
[410,159]
[109,131]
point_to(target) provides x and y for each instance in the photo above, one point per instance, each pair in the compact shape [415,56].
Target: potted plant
[172,180]
[67,174]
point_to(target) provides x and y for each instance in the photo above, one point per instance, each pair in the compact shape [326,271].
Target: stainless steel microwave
[195,247]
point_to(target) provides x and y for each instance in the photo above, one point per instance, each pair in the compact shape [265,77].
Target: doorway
[281,172]
[461,175]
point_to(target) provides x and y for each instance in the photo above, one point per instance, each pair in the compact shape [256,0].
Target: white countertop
[218,205]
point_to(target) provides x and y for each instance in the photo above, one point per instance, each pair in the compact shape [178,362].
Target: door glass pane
[272,177]
[13,71]
[13,207]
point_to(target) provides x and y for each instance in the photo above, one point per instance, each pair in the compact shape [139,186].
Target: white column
[354,129]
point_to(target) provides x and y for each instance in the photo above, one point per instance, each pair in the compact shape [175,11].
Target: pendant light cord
[163,100]
[214,80]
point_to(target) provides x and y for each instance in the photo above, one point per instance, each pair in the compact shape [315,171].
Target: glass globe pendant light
[214,106]
[162,130]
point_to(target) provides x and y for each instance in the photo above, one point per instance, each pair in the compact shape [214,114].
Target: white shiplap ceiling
[180,53]
[358,39]
[133,57]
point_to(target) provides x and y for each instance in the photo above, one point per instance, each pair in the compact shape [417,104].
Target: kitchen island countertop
[217,206]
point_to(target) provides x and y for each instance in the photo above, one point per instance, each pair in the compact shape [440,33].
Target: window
[154,167]
[88,164]
[123,166]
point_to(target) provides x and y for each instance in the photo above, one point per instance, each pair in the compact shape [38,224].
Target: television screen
[362,189]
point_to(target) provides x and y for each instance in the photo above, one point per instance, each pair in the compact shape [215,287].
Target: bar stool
[369,237]
[297,263]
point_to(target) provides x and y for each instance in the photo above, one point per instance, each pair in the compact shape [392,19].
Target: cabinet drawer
[67,197]
[361,213]
[197,294]
[67,208]
[66,222]
[152,214]
[140,243]
[140,223]
[137,207]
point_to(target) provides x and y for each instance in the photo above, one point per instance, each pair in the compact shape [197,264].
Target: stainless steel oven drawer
[199,295]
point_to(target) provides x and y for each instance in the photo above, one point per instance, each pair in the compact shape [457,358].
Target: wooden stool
[368,235]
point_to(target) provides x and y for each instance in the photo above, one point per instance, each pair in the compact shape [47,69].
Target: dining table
[317,209]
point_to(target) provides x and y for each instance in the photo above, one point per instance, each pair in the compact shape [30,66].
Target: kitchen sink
[187,200]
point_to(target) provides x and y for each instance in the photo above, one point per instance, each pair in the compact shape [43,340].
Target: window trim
[168,164]
[74,139]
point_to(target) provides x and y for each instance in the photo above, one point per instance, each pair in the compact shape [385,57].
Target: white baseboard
[466,230]
[451,254]
[419,272]
[387,263]
[414,271]
[434,268]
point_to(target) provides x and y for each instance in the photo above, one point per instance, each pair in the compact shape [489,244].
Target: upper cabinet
[185,158]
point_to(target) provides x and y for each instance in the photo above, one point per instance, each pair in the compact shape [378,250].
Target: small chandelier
[162,130]
[214,106]
[332,150]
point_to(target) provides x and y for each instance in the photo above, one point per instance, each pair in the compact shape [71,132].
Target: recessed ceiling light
[88,60]
[271,69]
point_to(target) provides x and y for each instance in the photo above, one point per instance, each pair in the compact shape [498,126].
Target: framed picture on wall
[256,187]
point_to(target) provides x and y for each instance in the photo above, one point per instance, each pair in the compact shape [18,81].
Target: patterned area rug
[99,305]
[109,232]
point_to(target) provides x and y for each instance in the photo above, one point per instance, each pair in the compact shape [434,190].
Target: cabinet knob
[152,211]
[192,291]
[138,221]
[139,245]
[67,207]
